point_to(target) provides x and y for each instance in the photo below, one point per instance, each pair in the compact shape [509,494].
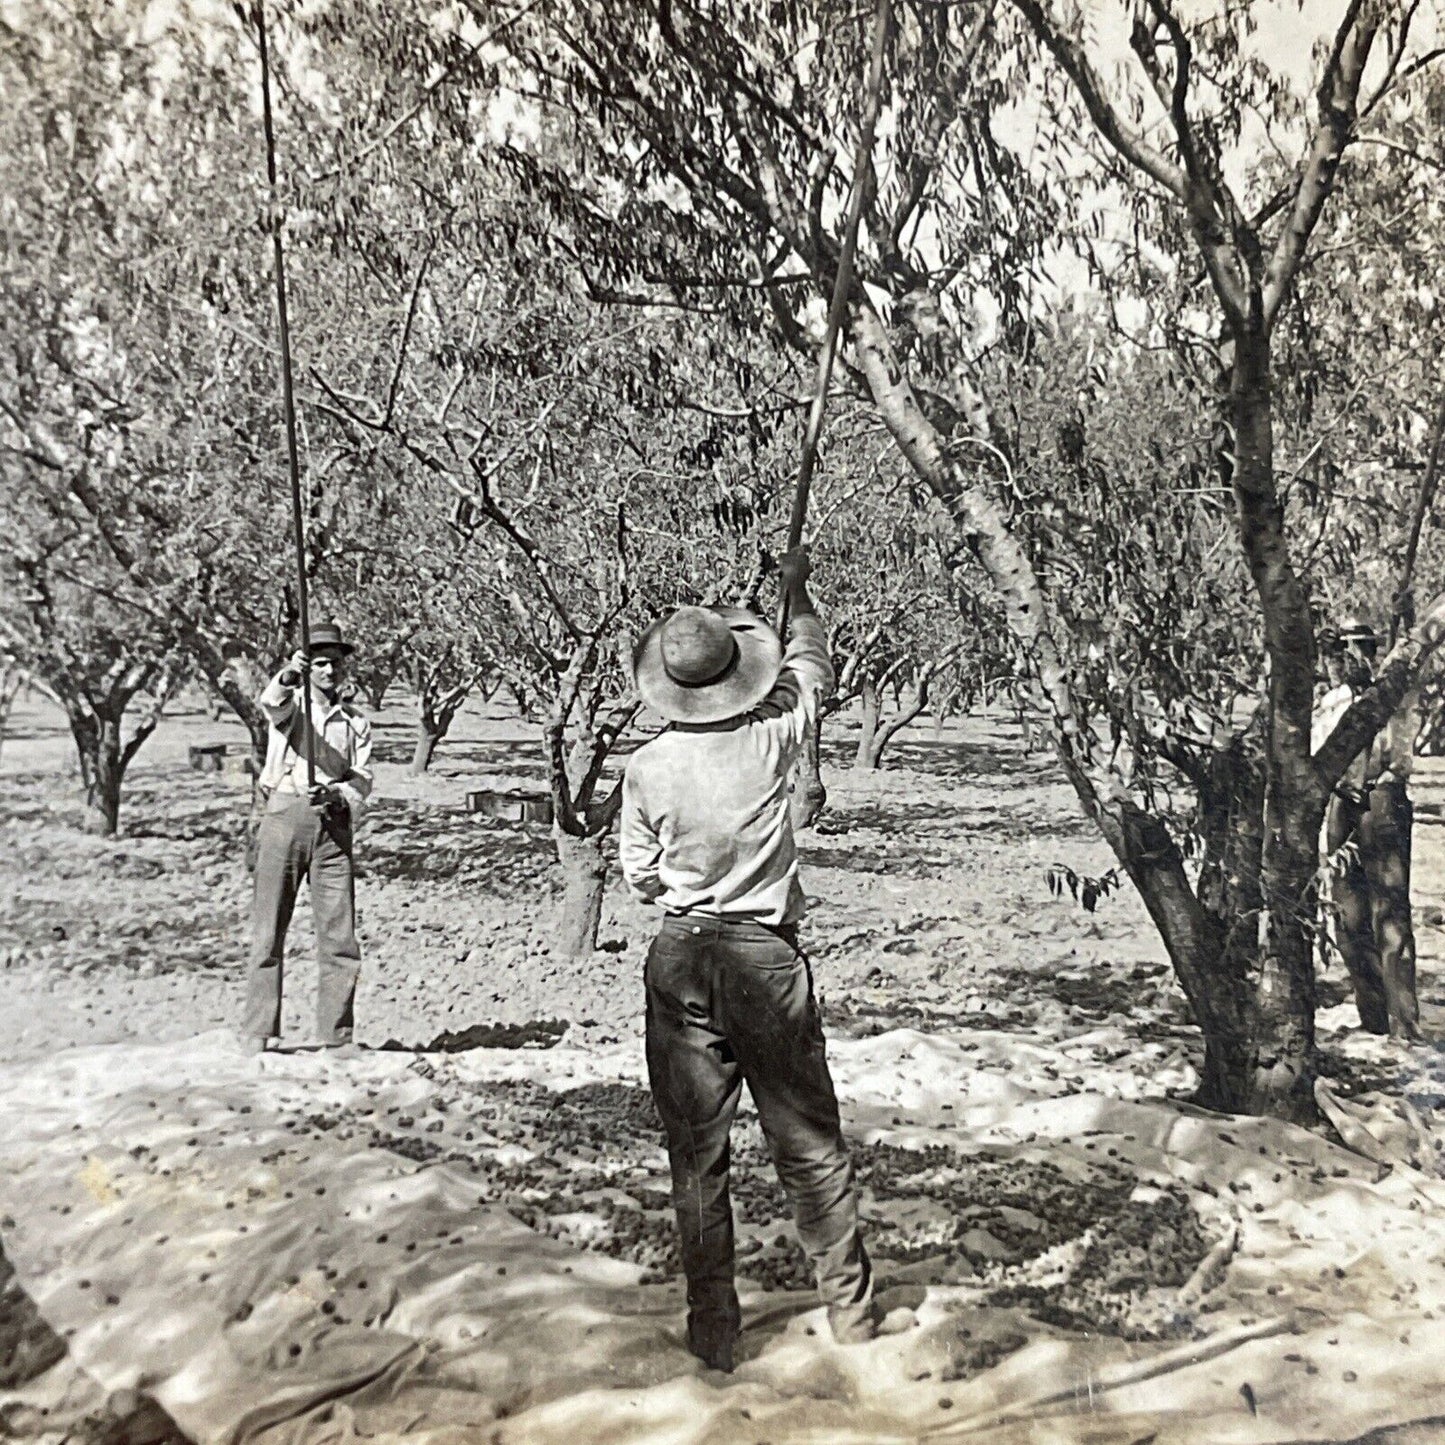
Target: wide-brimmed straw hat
[706,664]
[326,636]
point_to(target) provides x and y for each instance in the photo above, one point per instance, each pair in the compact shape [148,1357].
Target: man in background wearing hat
[705,835]
[306,832]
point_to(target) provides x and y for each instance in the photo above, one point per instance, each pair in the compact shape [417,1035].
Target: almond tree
[106,676]
[137,394]
[1360,411]
[537,434]
[750,119]
[417,614]
[909,620]
[449,371]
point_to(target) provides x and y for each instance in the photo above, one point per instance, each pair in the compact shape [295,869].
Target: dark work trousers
[729,1002]
[1371,895]
[295,842]
[1346,822]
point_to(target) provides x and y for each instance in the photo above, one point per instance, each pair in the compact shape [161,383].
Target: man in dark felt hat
[705,835]
[306,833]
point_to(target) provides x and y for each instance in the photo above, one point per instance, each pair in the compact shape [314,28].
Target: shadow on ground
[28,1349]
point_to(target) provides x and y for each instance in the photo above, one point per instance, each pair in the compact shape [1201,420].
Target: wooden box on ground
[513,807]
[235,761]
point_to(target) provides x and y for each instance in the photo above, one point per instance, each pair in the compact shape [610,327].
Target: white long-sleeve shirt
[705,825]
[1393,750]
[339,739]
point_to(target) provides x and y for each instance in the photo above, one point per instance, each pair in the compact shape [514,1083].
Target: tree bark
[1250,981]
[807,796]
[867,755]
[104,752]
[1294,801]
[884,732]
[1225,939]
[584,877]
[427,739]
[437,707]
[102,767]
[1348,823]
[238,682]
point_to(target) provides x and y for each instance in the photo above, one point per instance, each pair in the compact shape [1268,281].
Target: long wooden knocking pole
[842,287]
[288,395]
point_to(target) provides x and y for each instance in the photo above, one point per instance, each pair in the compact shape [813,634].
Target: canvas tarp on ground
[226,1236]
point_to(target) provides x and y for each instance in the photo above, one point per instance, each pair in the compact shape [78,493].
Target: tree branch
[1070,55]
[1400,603]
[401,345]
[1338,93]
[428,90]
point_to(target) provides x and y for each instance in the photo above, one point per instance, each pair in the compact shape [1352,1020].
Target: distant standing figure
[306,833]
[705,835]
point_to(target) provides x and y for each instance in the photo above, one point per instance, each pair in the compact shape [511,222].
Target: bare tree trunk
[1347,827]
[883,733]
[584,877]
[104,753]
[581,820]
[867,754]
[426,742]
[437,704]
[11,681]
[807,795]
[374,672]
[1293,800]
[238,681]
[1214,946]
[433,722]
[97,740]
[102,793]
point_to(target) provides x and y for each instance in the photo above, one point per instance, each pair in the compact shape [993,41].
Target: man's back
[705,823]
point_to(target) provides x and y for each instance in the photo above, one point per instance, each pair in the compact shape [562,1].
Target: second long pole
[288,394]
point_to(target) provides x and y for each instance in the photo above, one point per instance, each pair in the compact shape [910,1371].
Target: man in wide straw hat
[306,833]
[706,836]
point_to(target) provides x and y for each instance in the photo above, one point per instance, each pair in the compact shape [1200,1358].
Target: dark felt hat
[1357,630]
[328,635]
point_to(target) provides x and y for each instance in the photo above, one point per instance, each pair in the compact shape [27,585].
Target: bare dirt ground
[974,1017]
[928,879]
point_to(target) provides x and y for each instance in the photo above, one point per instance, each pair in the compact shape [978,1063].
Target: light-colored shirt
[1329,708]
[1393,751]
[339,739]
[705,825]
